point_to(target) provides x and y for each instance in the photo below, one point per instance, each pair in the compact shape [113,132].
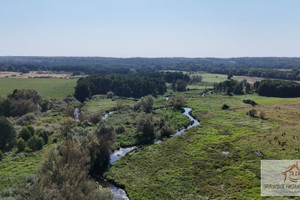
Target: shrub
[35,143]
[110,95]
[7,134]
[120,129]
[45,135]
[21,144]
[262,115]
[146,103]
[27,119]
[249,101]
[146,126]
[179,85]
[25,133]
[177,102]
[225,107]
[252,112]
[166,131]
[46,105]
[96,117]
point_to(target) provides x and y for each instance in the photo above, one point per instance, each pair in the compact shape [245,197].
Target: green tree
[21,144]
[7,134]
[177,102]
[27,132]
[146,126]
[35,143]
[64,175]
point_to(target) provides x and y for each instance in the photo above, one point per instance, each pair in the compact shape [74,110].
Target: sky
[150,28]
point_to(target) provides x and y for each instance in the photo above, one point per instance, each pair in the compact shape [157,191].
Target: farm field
[47,87]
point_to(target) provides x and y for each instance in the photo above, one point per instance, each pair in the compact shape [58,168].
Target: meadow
[216,160]
[47,87]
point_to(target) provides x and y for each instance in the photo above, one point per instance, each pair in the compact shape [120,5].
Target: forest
[268,67]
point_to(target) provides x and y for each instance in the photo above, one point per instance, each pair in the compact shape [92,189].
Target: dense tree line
[278,88]
[232,86]
[271,88]
[120,85]
[260,67]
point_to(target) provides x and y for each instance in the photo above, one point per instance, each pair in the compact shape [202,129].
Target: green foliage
[146,126]
[45,135]
[178,102]
[146,103]
[231,86]
[121,85]
[166,131]
[179,85]
[252,112]
[21,144]
[100,146]
[225,107]
[7,134]
[278,88]
[249,101]
[35,143]
[26,132]
[64,175]
[1,155]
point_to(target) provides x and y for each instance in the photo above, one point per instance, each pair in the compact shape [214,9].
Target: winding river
[119,193]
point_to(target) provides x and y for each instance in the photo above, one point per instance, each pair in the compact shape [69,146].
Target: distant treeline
[120,85]
[270,88]
[278,88]
[260,67]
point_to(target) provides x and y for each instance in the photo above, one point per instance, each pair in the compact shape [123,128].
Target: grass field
[268,101]
[207,81]
[47,87]
[14,169]
[216,160]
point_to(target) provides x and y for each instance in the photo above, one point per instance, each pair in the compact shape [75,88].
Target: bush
[7,134]
[225,107]
[262,115]
[177,102]
[252,112]
[166,131]
[25,101]
[27,119]
[146,103]
[21,144]
[120,129]
[45,135]
[179,85]
[110,95]
[96,117]
[35,143]
[146,126]
[26,133]
[249,101]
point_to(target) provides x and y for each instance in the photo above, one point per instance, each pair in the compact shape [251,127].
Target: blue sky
[154,28]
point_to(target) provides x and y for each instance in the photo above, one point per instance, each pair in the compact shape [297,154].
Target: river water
[119,193]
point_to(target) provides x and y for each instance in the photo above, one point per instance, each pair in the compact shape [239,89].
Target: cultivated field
[33,74]
[47,87]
